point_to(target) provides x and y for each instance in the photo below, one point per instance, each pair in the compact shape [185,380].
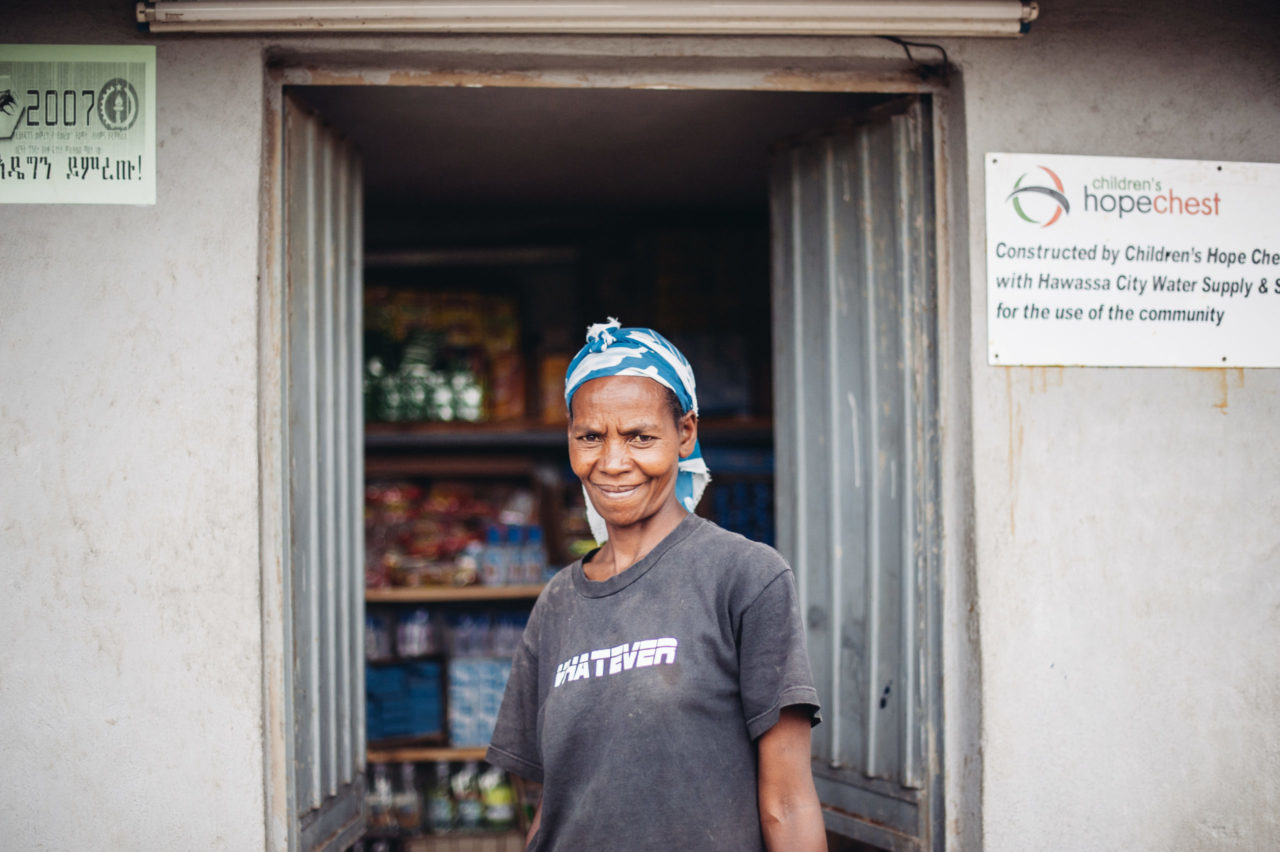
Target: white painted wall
[1127,541]
[130,622]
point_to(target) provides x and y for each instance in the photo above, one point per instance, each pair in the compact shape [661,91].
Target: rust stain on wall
[1223,380]
[1042,378]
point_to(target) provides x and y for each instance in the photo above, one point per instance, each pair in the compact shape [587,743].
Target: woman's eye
[589,438]
[642,440]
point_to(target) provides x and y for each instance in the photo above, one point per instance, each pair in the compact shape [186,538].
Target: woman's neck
[628,545]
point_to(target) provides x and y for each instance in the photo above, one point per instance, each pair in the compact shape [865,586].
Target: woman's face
[625,447]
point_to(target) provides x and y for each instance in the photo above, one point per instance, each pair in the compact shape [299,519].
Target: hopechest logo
[1040,205]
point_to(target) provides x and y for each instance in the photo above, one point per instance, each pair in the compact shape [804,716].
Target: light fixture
[654,17]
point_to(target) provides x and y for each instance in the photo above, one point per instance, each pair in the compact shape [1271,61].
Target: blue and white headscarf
[615,351]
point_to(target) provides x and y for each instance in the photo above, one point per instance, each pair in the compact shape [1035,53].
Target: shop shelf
[448,594]
[422,753]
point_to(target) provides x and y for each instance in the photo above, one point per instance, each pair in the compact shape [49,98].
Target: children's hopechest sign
[77,124]
[1124,262]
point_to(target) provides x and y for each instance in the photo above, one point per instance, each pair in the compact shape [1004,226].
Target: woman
[662,692]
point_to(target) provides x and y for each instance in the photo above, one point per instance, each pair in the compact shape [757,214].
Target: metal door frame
[763,64]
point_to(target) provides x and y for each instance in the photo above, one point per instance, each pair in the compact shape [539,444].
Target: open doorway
[525,214]
[564,206]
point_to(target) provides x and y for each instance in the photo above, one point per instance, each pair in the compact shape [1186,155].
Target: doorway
[662,208]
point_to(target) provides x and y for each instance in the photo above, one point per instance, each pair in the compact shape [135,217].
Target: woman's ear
[688,429]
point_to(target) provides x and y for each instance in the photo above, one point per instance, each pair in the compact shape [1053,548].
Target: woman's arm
[790,815]
[534,824]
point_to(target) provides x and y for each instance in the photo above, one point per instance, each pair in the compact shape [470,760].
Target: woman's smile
[618,491]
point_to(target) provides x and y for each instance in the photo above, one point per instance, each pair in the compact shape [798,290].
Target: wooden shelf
[424,754]
[448,594]
[531,434]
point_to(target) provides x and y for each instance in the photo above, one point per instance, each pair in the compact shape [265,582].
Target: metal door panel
[857,456]
[324,429]
[303,452]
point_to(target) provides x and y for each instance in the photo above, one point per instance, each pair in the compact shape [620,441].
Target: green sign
[77,124]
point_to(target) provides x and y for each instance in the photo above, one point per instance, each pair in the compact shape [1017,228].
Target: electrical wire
[926,70]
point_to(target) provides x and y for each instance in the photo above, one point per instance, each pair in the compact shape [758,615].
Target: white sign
[1115,261]
[77,124]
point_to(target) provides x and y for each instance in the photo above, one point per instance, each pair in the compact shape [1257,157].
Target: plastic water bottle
[381,800]
[408,802]
[440,809]
[498,797]
[466,793]
[515,554]
[494,563]
[535,555]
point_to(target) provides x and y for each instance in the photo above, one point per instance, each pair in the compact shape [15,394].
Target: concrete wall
[130,622]
[1127,546]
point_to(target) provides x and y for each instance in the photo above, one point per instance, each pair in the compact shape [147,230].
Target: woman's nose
[615,455]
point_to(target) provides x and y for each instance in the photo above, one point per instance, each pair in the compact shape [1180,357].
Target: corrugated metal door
[323,426]
[856,426]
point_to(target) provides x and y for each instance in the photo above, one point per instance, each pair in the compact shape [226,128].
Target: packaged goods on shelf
[381,800]
[440,356]
[506,387]
[551,370]
[451,534]
[469,634]
[508,629]
[470,799]
[379,641]
[442,811]
[465,785]
[417,633]
[475,694]
[480,633]
[408,801]
[403,700]
[393,634]
[498,796]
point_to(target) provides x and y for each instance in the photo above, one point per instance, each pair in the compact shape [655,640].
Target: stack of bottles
[434,356]
[475,695]
[404,695]
[408,799]
[403,700]
[482,645]
[396,633]
[513,555]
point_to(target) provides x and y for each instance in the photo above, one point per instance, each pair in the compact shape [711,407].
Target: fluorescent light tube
[655,17]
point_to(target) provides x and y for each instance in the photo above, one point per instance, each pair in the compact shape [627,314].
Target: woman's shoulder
[717,548]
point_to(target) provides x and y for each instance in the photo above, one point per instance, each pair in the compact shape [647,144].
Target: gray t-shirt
[637,701]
